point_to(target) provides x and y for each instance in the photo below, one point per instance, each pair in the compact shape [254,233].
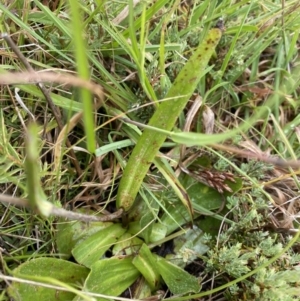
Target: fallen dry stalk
[260,157]
[29,77]
[62,212]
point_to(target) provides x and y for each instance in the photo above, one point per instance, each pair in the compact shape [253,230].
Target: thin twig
[28,77]
[47,96]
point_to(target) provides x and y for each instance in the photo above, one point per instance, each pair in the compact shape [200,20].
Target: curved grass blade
[165,118]
[36,196]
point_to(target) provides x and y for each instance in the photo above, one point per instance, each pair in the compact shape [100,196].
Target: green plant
[204,218]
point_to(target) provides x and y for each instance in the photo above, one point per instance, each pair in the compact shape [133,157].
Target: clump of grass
[133,53]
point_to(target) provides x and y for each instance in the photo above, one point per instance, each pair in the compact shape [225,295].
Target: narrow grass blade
[54,19]
[83,71]
[9,14]
[112,146]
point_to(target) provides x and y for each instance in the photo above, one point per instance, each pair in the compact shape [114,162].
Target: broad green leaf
[93,248]
[159,231]
[145,263]
[127,244]
[165,118]
[134,228]
[146,223]
[202,195]
[70,233]
[178,280]
[111,276]
[174,217]
[205,200]
[210,225]
[58,269]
